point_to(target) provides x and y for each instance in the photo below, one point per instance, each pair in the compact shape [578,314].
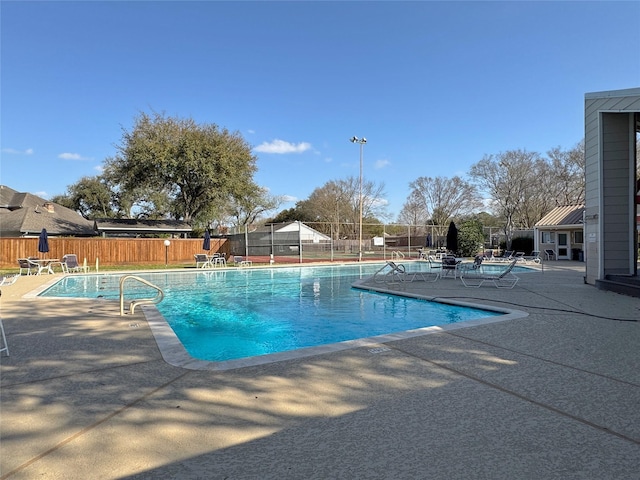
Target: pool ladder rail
[397,255]
[141,301]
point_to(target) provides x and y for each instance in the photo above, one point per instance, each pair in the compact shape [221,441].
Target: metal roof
[563,216]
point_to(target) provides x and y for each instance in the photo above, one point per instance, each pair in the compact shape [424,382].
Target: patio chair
[27,266]
[534,257]
[8,280]
[202,260]
[501,279]
[549,254]
[4,347]
[488,255]
[450,266]
[393,273]
[435,266]
[240,261]
[70,263]
[507,256]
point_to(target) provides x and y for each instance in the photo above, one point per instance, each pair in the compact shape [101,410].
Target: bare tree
[249,208]
[413,213]
[444,198]
[511,180]
[567,170]
[337,203]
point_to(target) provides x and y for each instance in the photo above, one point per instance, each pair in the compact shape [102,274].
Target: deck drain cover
[379,350]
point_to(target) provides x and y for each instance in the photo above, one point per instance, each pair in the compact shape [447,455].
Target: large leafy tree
[92,197]
[195,167]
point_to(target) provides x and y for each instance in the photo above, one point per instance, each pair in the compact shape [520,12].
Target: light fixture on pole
[166,252]
[361,141]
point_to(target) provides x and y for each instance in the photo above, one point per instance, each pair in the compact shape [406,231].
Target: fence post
[300,240]
[331,242]
[384,241]
[246,241]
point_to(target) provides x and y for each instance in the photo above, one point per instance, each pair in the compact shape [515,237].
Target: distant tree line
[169,167]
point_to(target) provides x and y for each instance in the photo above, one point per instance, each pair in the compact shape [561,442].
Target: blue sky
[433,86]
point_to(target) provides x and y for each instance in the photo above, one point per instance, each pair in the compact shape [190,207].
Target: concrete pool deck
[554,395]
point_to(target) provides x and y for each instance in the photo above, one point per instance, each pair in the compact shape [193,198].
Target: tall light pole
[361,141]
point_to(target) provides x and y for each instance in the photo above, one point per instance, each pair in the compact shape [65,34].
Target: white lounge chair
[4,347]
[202,260]
[501,279]
[393,273]
[240,261]
[534,257]
[8,280]
[70,263]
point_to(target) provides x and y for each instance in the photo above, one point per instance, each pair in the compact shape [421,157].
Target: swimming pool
[221,315]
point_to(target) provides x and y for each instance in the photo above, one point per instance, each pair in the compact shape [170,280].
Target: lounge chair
[488,255]
[506,256]
[502,279]
[393,272]
[534,257]
[240,261]
[70,263]
[8,280]
[4,347]
[202,260]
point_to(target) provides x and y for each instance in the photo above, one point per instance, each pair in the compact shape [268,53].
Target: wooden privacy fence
[110,251]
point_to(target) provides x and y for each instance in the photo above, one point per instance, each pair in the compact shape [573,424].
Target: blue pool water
[229,314]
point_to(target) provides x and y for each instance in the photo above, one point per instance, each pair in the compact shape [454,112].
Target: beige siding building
[612,120]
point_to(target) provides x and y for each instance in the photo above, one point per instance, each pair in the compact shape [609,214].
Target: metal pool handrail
[396,255]
[142,301]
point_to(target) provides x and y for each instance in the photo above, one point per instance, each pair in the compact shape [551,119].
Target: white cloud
[41,194]
[99,169]
[71,156]
[251,131]
[280,146]
[381,164]
[289,198]
[13,151]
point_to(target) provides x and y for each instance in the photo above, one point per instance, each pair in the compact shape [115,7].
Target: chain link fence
[298,242]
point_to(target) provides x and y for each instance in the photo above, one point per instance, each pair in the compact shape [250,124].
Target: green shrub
[470,238]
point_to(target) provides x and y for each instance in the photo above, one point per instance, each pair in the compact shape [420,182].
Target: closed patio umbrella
[452,238]
[206,244]
[43,242]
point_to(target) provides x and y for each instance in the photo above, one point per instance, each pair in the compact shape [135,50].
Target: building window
[578,236]
[548,237]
